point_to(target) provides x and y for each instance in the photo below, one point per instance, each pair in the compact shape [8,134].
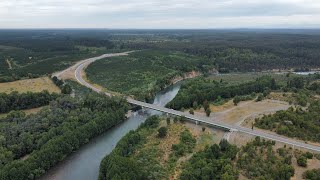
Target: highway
[79,67]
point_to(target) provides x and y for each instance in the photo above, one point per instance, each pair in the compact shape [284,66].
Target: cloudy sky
[160,14]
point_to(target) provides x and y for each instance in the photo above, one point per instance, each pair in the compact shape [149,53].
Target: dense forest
[16,101]
[30,145]
[199,91]
[294,122]
[239,50]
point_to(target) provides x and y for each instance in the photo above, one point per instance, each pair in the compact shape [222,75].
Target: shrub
[191,111]
[302,161]
[208,112]
[162,132]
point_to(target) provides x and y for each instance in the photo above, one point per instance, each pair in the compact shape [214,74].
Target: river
[84,163]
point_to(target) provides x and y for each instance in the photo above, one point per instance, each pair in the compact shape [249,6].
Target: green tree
[162,132]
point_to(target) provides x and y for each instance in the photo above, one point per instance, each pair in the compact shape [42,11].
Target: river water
[84,163]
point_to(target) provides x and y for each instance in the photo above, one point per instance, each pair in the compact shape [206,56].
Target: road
[233,128]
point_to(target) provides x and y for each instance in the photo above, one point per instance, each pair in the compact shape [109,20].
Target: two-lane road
[78,75]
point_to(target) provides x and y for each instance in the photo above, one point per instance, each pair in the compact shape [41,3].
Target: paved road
[204,120]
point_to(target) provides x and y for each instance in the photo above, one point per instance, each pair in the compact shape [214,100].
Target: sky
[160,14]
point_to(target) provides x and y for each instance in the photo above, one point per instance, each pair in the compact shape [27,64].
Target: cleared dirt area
[32,85]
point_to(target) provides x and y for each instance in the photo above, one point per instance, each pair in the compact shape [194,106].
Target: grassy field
[32,85]
[141,73]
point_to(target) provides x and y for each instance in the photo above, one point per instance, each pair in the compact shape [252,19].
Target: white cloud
[159,13]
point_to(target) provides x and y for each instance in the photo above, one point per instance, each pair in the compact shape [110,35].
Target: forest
[29,100]
[33,53]
[200,91]
[237,50]
[32,144]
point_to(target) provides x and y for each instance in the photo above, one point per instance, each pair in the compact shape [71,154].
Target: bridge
[204,120]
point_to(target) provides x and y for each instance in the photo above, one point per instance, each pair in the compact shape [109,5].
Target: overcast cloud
[159,13]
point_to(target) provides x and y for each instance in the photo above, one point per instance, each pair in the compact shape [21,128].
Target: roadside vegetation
[294,122]
[258,158]
[302,121]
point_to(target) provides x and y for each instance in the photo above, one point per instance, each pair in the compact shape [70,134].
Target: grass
[205,139]
[32,85]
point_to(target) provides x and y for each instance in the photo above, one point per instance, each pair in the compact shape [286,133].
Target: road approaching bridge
[218,124]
